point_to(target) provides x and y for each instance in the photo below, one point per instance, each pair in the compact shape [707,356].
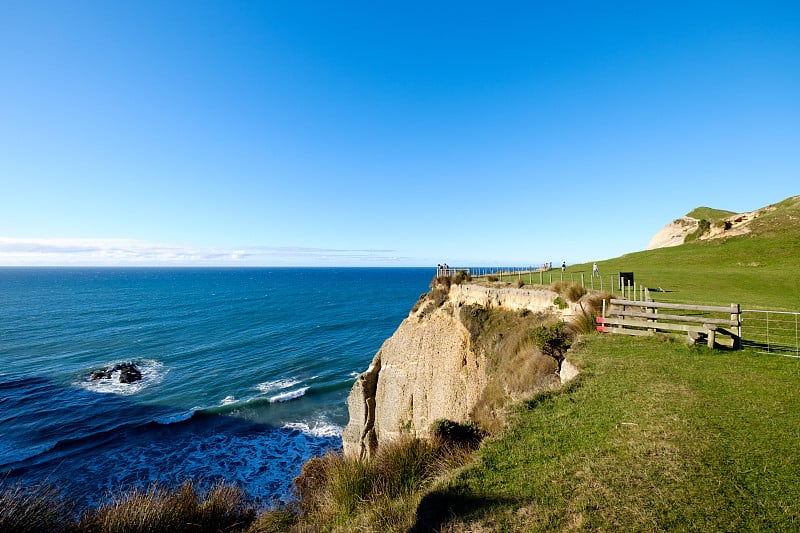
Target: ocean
[245,372]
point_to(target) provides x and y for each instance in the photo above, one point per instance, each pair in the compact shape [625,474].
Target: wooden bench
[633,317]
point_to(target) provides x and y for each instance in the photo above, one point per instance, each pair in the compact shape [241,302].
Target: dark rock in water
[99,374]
[128,373]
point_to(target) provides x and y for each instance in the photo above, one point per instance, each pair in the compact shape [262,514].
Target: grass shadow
[441,506]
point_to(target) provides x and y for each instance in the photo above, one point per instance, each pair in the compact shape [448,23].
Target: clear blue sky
[385,133]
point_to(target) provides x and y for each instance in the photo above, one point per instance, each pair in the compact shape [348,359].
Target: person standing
[563,266]
[595,271]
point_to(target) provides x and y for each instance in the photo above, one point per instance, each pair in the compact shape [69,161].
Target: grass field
[654,436]
[757,270]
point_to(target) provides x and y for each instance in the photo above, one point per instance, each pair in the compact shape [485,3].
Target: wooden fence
[637,317]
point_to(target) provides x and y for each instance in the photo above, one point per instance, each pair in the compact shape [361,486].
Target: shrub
[441,281]
[492,278]
[560,302]
[518,283]
[439,296]
[553,340]
[474,318]
[422,298]
[462,276]
[461,434]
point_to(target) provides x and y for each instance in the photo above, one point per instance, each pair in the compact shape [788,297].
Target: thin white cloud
[128,252]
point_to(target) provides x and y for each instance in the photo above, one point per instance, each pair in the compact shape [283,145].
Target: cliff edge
[441,362]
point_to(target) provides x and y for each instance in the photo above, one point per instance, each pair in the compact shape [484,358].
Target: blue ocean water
[245,372]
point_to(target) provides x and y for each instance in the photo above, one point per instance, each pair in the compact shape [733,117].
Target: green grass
[709,213]
[759,269]
[655,436]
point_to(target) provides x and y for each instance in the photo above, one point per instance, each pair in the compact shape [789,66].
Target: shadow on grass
[439,507]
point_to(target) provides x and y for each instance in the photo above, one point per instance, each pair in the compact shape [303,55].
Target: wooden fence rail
[637,317]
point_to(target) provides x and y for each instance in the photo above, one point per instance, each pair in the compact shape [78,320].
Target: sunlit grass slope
[757,269]
[655,436]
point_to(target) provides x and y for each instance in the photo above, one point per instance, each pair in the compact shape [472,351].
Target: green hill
[759,268]
[656,435]
[707,213]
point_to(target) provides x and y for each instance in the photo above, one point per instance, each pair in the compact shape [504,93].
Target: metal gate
[773,332]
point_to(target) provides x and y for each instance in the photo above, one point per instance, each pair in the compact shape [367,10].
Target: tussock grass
[223,507]
[591,307]
[523,353]
[41,508]
[33,509]
[348,493]
[571,292]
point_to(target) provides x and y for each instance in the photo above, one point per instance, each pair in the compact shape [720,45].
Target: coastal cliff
[442,362]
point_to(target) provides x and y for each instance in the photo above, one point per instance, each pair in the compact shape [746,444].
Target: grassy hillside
[655,436]
[760,269]
[709,213]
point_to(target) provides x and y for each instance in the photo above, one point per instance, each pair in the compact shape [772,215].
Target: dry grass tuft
[33,509]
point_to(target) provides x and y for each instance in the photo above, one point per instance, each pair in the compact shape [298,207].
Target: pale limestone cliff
[676,232]
[428,368]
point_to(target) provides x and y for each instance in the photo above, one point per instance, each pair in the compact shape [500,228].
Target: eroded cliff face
[428,369]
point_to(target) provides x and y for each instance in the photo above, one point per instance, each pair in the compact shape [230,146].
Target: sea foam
[153,373]
[289,395]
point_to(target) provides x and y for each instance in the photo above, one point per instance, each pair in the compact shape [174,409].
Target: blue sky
[385,133]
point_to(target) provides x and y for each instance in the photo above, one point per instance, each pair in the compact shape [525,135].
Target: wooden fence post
[736,315]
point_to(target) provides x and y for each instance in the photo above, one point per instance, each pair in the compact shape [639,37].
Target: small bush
[441,281]
[553,340]
[439,296]
[518,283]
[560,302]
[462,434]
[462,276]
[492,278]
[422,298]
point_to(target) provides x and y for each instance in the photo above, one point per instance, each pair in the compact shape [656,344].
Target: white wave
[228,400]
[153,373]
[289,395]
[278,384]
[263,462]
[176,418]
[354,374]
[319,429]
